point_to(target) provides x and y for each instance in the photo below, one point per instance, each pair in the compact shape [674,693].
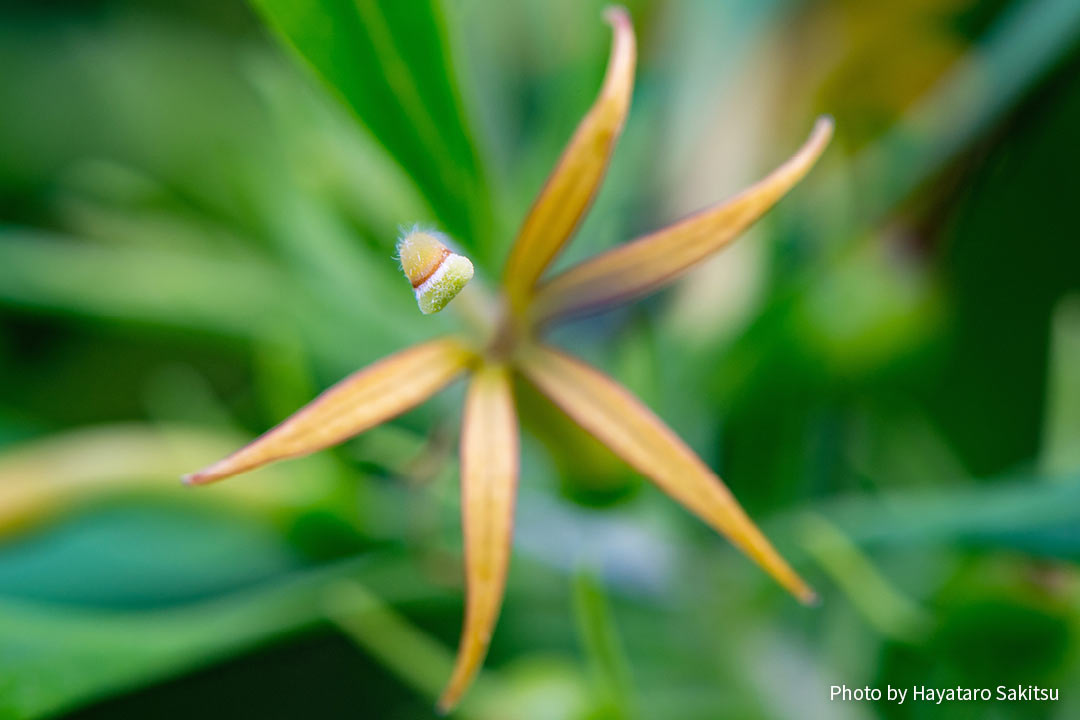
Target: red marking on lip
[420,281]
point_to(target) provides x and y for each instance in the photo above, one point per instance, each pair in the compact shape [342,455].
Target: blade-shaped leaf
[360,401]
[633,432]
[648,263]
[489,468]
[232,294]
[418,659]
[390,63]
[577,175]
[56,658]
[44,477]
[141,284]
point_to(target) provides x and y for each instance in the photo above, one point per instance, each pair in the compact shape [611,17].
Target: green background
[198,206]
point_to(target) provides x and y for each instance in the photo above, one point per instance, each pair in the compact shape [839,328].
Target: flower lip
[436,273]
[441,286]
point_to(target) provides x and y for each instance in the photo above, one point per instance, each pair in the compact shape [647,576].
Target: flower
[530,302]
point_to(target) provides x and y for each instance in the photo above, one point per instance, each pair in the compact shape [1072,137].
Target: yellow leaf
[648,263]
[489,469]
[360,401]
[633,432]
[47,476]
[573,183]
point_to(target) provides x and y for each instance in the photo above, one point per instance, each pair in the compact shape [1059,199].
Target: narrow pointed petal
[574,181]
[648,263]
[360,401]
[489,469]
[633,432]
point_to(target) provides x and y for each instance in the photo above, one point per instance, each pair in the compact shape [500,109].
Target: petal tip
[211,473]
[445,706]
[809,597]
[617,16]
[200,477]
[572,184]
[824,126]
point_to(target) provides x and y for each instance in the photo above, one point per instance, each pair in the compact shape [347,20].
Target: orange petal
[489,469]
[634,433]
[360,401]
[650,262]
[573,183]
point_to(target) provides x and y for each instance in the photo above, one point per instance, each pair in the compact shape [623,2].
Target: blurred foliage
[390,64]
[198,203]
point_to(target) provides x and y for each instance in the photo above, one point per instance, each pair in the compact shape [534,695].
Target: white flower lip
[453,273]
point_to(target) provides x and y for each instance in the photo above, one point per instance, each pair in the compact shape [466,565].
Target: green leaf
[139,284]
[1030,514]
[871,593]
[228,295]
[1019,49]
[602,645]
[143,555]
[389,62]
[54,658]
[412,655]
[52,475]
[1061,422]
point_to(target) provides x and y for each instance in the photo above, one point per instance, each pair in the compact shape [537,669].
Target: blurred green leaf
[327,157]
[414,656]
[603,647]
[1021,47]
[48,476]
[154,555]
[389,62]
[1028,514]
[235,295]
[886,608]
[143,284]
[1061,424]
[53,658]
